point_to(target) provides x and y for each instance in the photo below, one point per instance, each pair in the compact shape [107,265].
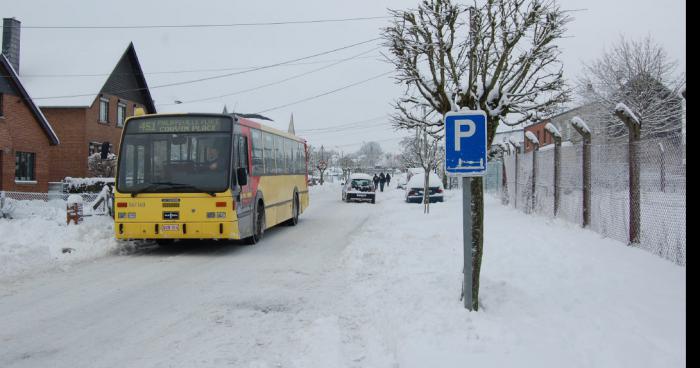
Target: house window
[104,110]
[121,113]
[96,147]
[1,109]
[24,166]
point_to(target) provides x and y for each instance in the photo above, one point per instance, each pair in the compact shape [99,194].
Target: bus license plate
[171,227]
[362,195]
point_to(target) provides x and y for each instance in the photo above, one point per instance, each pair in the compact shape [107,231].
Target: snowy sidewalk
[552,294]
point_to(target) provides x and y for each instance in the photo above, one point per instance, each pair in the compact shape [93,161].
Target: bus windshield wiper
[156,185]
[190,186]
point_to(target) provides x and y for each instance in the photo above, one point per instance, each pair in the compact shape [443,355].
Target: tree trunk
[477,190]
[557,174]
[426,192]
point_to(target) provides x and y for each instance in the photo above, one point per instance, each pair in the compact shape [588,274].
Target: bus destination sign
[179,124]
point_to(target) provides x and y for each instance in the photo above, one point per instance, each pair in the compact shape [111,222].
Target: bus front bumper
[176,230]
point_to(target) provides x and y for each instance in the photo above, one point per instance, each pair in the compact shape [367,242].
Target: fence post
[634,127]
[504,179]
[582,128]
[662,163]
[516,145]
[533,140]
[554,132]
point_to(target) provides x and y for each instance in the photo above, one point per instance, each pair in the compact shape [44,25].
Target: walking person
[382,180]
[375,179]
[388,179]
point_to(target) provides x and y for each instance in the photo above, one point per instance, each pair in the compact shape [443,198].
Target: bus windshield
[174,162]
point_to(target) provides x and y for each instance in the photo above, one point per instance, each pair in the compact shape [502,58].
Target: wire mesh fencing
[532,187]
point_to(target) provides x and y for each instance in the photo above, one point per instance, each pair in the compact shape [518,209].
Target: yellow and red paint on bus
[207,176]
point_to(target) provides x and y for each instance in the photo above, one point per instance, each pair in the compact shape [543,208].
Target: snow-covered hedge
[86,185]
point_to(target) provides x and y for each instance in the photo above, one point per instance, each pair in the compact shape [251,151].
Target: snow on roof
[29,101]
[360,176]
[625,111]
[580,124]
[52,72]
[531,137]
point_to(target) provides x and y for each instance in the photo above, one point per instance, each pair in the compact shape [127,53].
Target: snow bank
[552,294]
[37,238]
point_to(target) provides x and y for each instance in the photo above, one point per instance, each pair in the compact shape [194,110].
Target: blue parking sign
[465,143]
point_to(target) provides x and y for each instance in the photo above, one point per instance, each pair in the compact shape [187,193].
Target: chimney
[10,41]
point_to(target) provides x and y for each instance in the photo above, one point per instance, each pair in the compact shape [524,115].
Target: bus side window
[243,153]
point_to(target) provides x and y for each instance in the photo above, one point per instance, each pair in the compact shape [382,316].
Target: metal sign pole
[467,235]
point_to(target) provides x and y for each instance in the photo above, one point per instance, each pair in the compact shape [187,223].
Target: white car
[359,187]
[414,188]
[401,181]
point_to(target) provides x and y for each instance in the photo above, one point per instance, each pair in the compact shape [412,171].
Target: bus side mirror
[242,176]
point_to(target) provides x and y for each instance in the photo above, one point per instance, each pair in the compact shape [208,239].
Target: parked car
[414,188]
[413,171]
[401,181]
[359,187]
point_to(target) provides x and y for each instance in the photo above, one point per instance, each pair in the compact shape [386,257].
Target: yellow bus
[207,176]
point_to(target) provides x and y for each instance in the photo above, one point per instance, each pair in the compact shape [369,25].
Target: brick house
[25,136]
[86,92]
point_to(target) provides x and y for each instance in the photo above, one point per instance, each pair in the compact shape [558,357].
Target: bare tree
[371,153]
[639,74]
[499,57]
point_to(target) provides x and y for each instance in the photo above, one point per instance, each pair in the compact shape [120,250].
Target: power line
[345,124]
[222,75]
[179,71]
[272,83]
[356,143]
[250,24]
[325,93]
[373,127]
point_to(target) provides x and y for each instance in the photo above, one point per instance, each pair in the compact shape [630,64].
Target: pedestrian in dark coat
[382,180]
[375,179]
[388,179]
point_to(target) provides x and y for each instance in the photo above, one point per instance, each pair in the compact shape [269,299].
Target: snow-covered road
[356,285]
[188,305]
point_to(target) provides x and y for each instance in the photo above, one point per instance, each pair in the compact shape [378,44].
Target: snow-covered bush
[102,168]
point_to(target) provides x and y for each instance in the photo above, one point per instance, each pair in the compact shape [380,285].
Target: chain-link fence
[10,201]
[662,180]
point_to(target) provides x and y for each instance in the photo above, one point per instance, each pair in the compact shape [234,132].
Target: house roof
[53,138]
[71,73]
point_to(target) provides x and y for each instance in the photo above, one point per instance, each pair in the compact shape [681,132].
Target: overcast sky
[597,25]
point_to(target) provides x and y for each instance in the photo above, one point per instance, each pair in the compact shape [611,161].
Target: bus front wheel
[258,223]
[295,211]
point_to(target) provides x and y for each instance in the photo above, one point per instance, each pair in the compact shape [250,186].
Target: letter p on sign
[459,133]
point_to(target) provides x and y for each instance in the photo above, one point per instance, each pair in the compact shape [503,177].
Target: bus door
[243,194]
